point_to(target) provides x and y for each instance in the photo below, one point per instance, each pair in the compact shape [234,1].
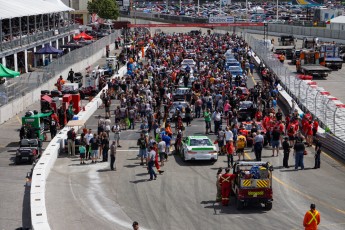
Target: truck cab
[253,183]
[286,45]
[310,42]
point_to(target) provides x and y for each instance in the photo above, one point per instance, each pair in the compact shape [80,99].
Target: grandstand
[26,26]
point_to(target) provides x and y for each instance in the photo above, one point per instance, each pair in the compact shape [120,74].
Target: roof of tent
[83,35]
[21,8]
[47,49]
[5,72]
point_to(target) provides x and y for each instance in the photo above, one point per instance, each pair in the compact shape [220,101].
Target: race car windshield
[200,142]
[245,104]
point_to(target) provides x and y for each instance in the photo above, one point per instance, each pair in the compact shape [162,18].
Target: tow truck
[253,184]
[310,42]
[286,46]
[332,56]
[311,63]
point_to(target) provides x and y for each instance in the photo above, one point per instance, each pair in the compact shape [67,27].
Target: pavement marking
[127,150]
[336,160]
[18,119]
[302,193]
[252,76]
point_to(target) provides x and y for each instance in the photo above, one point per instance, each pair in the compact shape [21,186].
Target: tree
[106,9]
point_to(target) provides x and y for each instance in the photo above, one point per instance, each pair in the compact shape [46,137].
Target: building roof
[339,19]
[21,8]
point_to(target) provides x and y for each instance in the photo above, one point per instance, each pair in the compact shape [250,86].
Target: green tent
[5,72]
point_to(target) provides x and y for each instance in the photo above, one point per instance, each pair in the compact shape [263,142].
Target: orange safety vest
[311,220]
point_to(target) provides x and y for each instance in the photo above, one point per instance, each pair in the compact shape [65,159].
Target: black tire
[43,92]
[268,206]
[17,160]
[239,205]
[82,95]
[182,156]
[55,93]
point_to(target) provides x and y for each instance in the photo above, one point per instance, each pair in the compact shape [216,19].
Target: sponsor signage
[223,19]
[207,25]
[125,2]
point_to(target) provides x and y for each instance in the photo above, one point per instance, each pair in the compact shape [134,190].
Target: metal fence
[30,39]
[309,97]
[19,86]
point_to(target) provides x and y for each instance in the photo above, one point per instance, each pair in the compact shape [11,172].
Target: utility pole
[277,10]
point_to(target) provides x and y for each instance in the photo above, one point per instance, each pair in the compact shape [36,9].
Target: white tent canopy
[21,8]
[339,19]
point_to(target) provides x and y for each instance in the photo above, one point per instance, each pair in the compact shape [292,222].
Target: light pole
[220,5]
[277,10]
[180,5]
[246,9]
[198,7]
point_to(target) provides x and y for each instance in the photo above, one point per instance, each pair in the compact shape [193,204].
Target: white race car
[198,148]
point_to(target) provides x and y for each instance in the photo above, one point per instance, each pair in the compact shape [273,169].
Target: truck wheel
[82,95]
[17,161]
[239,205]
[268,206]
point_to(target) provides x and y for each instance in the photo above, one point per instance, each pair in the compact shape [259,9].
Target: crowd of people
[146,99]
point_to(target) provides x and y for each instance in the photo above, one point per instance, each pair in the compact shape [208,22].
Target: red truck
[253,184]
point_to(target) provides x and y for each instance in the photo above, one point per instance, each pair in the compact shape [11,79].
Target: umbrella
[8,73]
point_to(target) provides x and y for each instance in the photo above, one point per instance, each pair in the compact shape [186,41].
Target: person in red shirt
[309,132]
[258,115]
[155,148]
[225,182]
[291,133]
[315,127]
[311,218]
[230,152]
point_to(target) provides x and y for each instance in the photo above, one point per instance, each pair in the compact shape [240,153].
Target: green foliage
[106,9]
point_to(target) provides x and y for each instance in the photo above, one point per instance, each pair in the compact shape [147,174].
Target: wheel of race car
[182,156]
[17,161]
[268,206]
[32,160]
[82,95]
[239,204]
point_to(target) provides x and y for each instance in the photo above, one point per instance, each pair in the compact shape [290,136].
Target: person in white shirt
[161,150]
[229,136]
[88,137]
[151,162]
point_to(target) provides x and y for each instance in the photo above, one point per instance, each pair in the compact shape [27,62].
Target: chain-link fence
[316,100]
[19,86]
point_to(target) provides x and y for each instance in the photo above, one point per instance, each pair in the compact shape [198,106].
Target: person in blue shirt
[167,141]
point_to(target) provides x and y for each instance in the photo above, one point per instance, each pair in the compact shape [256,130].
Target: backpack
[69,134]
[241,142]
[142,143]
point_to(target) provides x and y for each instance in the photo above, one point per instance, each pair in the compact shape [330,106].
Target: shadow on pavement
[139,181]
[219,209]
[142,174]
[131,166]
[180,162]
[26,213]
[104,170]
